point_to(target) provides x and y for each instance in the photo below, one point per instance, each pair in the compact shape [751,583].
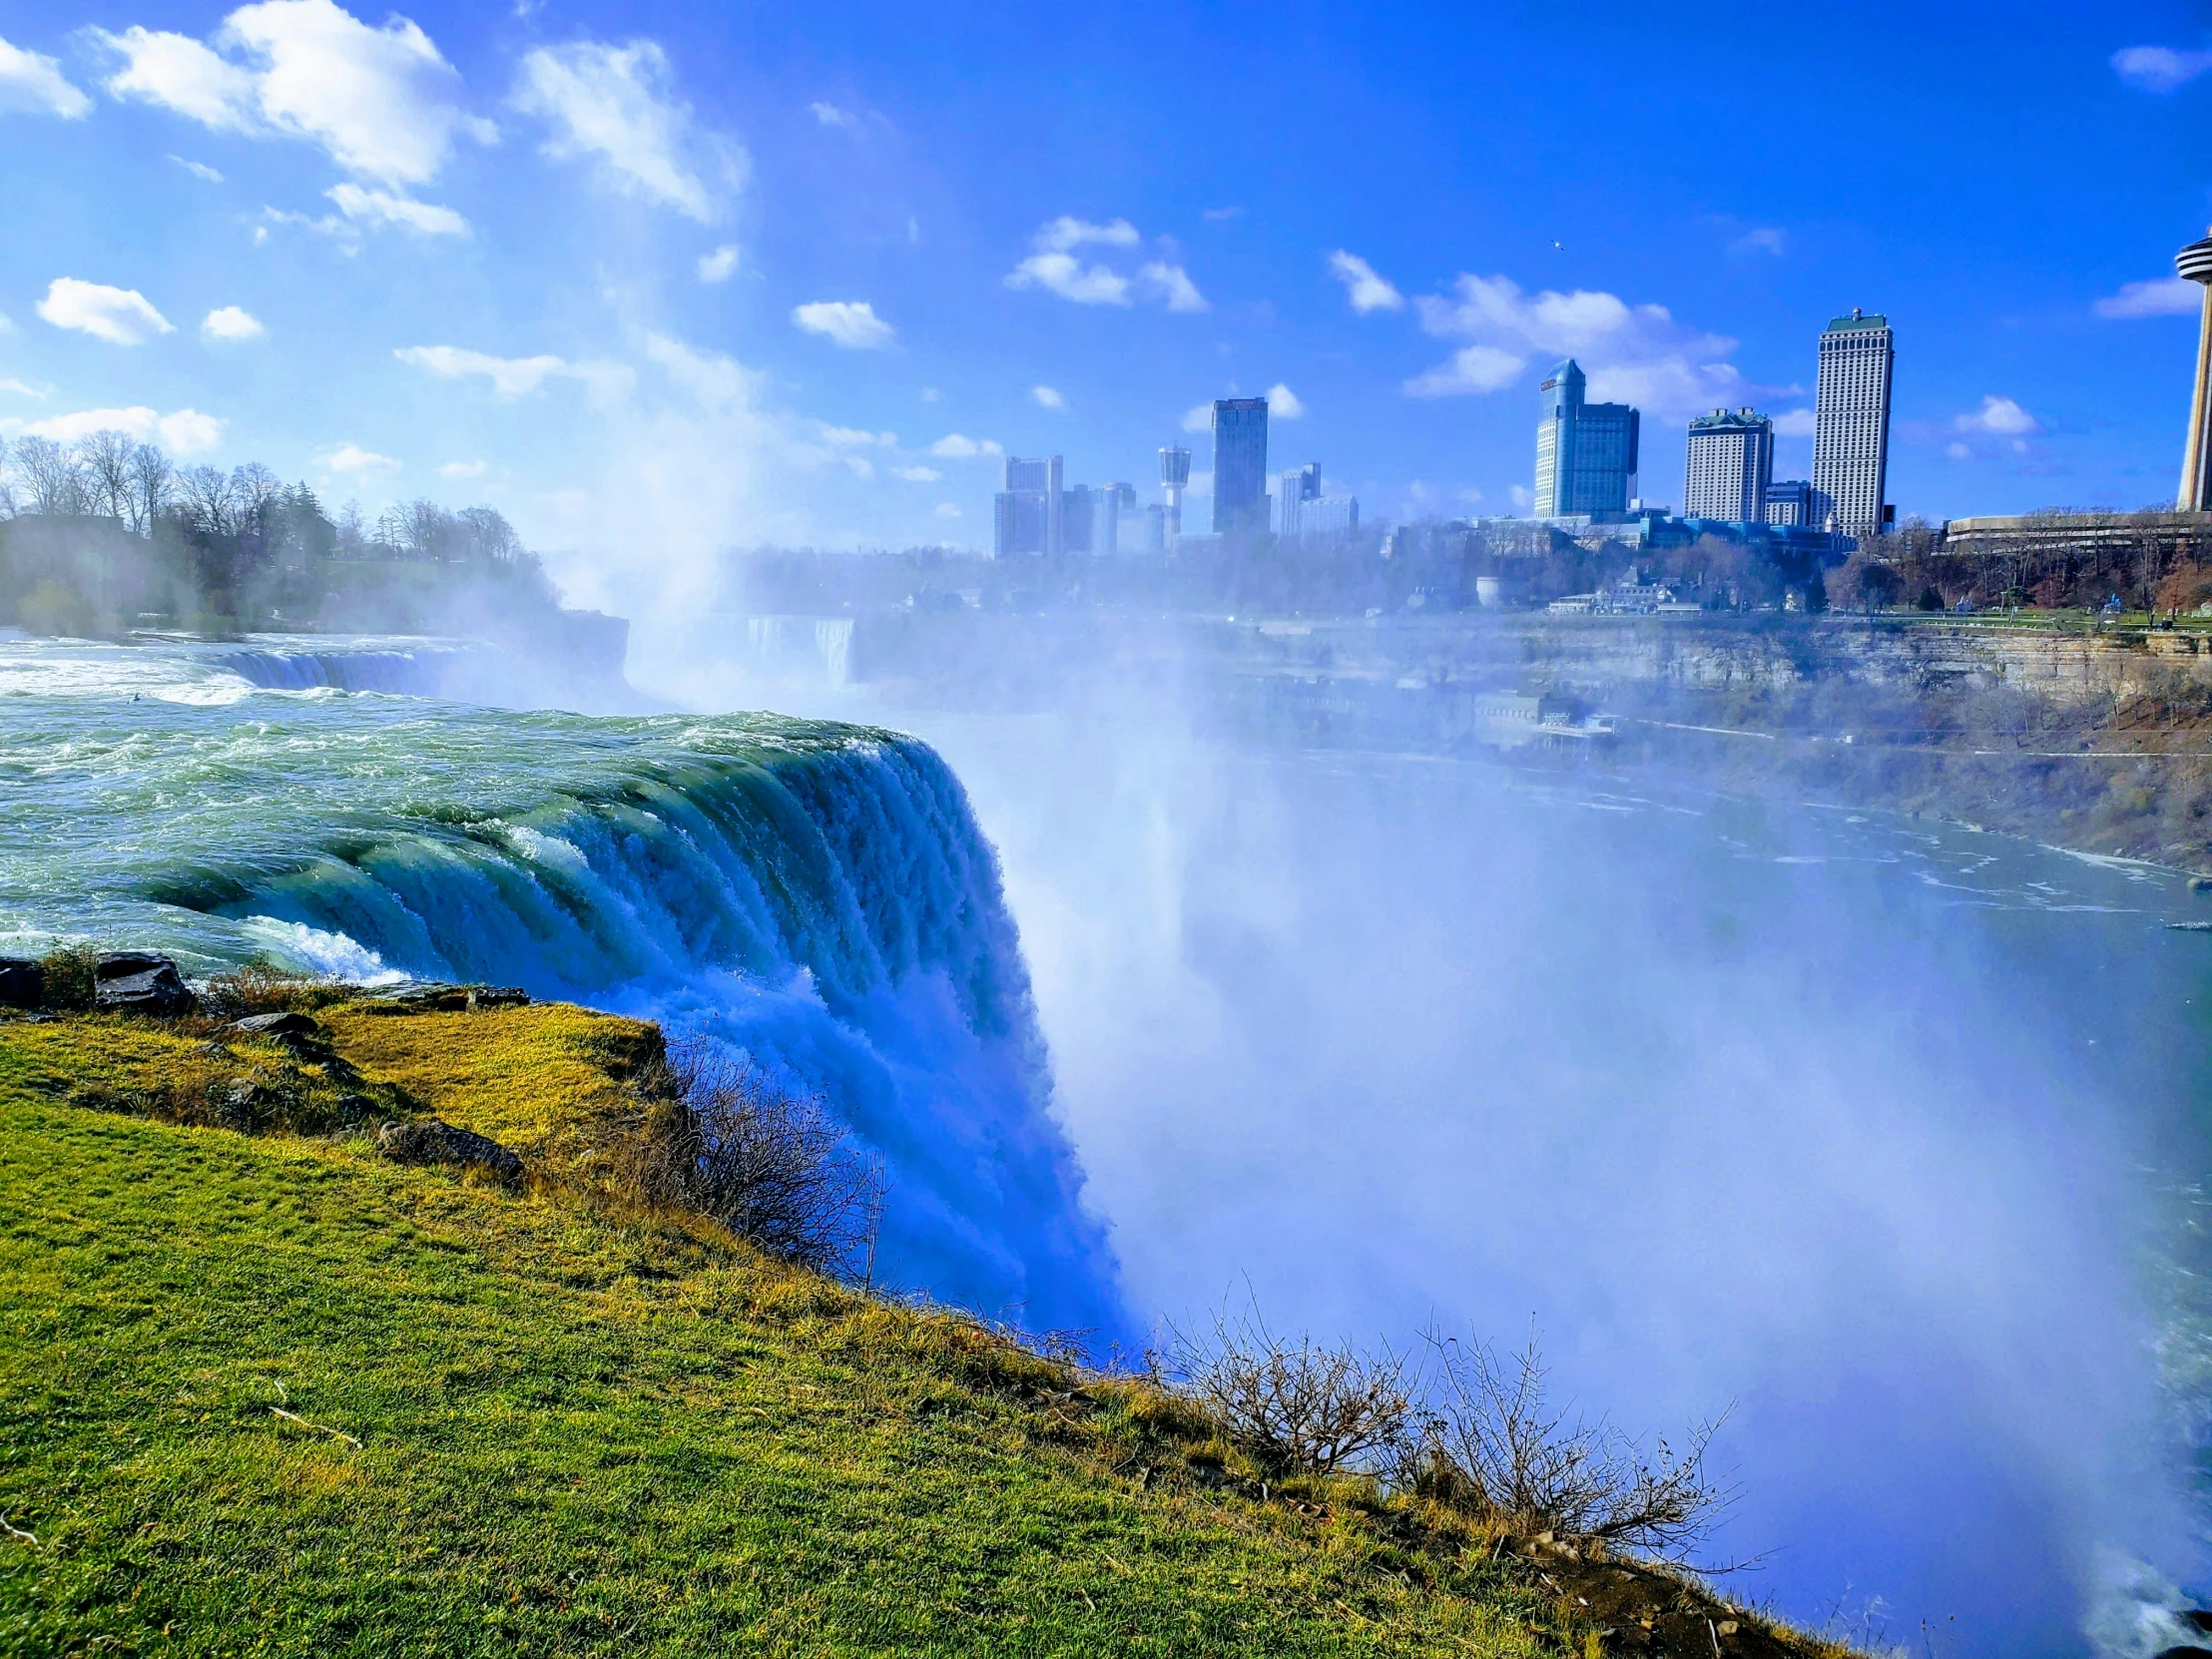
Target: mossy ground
[532,1421]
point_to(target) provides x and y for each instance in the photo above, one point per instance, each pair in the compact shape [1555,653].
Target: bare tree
[50,476]
[428,530]
[1493,1443]
[103,463]
[153,486]
[208,500]
[258,493]
[776,1169]
[487,534]
[1299,1406]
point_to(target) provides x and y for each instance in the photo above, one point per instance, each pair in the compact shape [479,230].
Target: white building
[1850,431]
[1731,465]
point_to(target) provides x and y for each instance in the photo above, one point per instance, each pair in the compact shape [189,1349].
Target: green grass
[581,1430]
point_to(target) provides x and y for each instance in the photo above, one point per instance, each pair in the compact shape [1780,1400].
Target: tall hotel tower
[1851,430]
[1731,465]
[1585,452]
[1240,465]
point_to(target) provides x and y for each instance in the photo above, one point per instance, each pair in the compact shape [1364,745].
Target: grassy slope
[581,1430]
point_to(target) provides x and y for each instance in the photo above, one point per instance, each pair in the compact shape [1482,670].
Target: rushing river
[1885,1137]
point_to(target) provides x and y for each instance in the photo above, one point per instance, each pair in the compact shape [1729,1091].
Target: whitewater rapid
[813,894]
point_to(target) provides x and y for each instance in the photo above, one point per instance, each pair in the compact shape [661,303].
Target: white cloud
[1367,291]
[380,208]
[1763,239]
[1796,424]
[930,394]
[515,377]
[24,388]
[1047,397]
[859,465]
[717,382]
[1632,354]
[850,322]
[1999,415]
[831,116]
[1957,452]
[199,169]
[2164,296]
[1218,216]
[463,469]
[946,509]
[1067,276]
[617,104]
[1067,231]
[954,447]
[1471,368]
[184,431]
[719,266]
[1173,283]
[1199,417]
[33,84]
[2159,68]
[1282,403]
[351,458]
[917,474]
[857,437]
[229,324]
[382,101]
[1055,267]
[120,317]
[1521,497]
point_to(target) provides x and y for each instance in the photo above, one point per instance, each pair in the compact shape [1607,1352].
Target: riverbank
[269,1379]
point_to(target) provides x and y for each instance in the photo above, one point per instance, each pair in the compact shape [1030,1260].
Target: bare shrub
[1493,1443]
[1299,1406]
[266,988]
[778,1169]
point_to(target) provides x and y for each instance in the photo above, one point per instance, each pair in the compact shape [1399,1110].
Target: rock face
[430,1141]
[22,983]
[136,982]
[275,1025]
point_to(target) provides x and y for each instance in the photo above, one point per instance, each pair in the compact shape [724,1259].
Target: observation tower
[2195,262]
[1175,474]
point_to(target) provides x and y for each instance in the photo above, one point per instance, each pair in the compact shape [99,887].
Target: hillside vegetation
[270,1392]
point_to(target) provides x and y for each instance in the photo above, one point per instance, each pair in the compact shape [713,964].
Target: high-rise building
[1293,490]
[1240,465]
[1789,503]
[1175,476]
[1585,452]
[1028,515]
[1851,429]
[1731,465]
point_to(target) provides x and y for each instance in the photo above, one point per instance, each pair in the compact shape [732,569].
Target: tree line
[109,534]
[110,475]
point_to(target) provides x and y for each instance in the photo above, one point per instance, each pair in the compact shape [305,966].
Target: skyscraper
[1585,452]
[1731,465]
[1291,491]
[1240,465]
[1851,429]
[1028,511]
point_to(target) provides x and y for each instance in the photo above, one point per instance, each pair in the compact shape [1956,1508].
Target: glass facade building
[1028,514]
[1240,465]
[1586,453]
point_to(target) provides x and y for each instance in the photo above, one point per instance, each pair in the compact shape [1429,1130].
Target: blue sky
[662,279]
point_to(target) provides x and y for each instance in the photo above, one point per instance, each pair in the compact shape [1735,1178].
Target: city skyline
[789,291]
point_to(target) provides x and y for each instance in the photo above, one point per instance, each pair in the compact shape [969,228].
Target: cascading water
[816,895]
